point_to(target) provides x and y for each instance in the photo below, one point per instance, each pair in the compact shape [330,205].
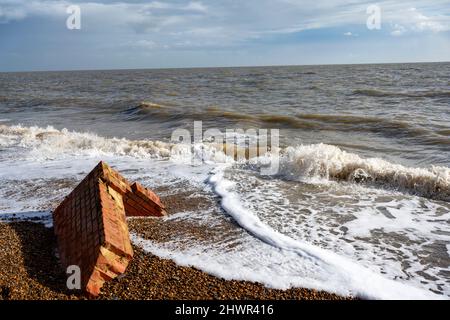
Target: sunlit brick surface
[91,228]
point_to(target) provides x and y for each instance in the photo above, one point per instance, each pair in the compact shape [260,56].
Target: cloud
[20,9]
[7,15]
[16,10]
[184,23]
[196,6]
[398,30]
[413,21]
[424,23]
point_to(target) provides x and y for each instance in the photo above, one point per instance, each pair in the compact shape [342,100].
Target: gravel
[30,270]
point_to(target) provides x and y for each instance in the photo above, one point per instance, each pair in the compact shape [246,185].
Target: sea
[359,203]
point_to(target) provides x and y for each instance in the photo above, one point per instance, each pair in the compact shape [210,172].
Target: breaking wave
[50,143]
[330,162]
[295,163]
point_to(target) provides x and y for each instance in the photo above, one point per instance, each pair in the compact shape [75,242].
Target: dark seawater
[364,172]
[398,111]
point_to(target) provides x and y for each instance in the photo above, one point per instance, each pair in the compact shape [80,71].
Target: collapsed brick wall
[91,229]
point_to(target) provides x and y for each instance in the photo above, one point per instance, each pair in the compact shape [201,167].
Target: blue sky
[184,33]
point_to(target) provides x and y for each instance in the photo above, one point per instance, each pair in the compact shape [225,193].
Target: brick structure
[91,229]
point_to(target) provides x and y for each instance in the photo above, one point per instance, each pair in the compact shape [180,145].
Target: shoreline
[30,271]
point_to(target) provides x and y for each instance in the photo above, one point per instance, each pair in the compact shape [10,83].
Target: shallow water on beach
[360,203]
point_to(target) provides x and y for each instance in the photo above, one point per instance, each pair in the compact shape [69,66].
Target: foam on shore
[346,275]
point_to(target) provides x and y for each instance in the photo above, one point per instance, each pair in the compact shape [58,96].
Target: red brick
[91,229]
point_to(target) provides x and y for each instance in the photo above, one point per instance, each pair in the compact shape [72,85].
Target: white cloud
[148,44]
[398,30]
[223,23]
[145,45]
[11,14]
[196,6]
[413,21]
[424,23]
[18,10]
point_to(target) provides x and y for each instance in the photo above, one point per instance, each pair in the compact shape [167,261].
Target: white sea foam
[50,143]
[330,162]
[401,236]
[399,219]
[38,217]
[318,161]
[47,143]
[344,274]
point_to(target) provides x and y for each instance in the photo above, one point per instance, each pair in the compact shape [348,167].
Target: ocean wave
[295,162]
[444,132]
[378,125]
[50,143]
[150,105]
[367,124]
[408,94]
[152,110]
[331,163]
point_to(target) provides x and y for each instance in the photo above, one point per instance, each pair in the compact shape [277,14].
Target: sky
[188,33]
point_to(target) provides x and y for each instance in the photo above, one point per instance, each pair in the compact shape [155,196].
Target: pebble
[31,271]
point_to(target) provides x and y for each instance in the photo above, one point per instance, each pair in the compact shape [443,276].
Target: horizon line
[225,67]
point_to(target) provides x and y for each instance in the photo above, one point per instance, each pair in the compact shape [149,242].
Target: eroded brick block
[91,229]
